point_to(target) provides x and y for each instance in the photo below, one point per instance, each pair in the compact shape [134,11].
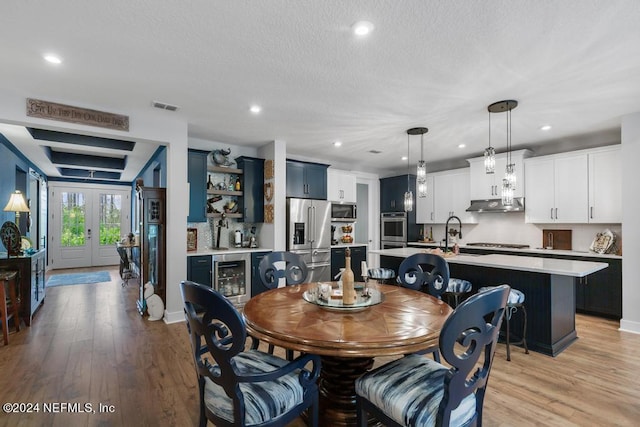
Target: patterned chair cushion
[458,286]
[515,296]
[381,273]
[263,401]
[409,391]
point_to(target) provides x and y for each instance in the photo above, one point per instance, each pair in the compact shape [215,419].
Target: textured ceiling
[573,64]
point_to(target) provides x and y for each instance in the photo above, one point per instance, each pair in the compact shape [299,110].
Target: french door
[86,223]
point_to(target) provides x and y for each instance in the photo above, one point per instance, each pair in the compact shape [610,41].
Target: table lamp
[17,204]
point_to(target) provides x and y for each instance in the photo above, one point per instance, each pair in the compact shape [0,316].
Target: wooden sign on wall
[71,114]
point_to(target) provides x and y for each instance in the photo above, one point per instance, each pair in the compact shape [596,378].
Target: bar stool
[383,275]
[456,288]
[514,303]
[8,277]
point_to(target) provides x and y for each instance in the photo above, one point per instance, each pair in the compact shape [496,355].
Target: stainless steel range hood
[495,205]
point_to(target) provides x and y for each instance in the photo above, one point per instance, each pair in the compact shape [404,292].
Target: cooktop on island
[499,245]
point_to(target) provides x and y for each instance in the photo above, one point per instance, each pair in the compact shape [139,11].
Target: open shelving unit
[210,192]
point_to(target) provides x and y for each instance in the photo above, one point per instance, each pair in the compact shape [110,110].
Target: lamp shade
[16,203]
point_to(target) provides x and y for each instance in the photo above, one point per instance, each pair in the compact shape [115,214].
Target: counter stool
[514,303]
[383,275]
[8,277]
[456,288]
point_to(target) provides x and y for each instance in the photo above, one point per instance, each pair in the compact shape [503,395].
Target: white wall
[630,225]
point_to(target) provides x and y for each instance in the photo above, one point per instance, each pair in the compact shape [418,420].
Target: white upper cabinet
[451,196]
[486,186]
[556,188]
[425,210]
[605,186]
[341,186]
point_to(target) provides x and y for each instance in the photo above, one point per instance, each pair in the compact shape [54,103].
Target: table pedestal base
[337,389]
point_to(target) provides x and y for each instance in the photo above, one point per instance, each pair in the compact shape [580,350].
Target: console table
[31,279]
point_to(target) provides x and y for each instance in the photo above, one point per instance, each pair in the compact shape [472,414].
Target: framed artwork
[192,239]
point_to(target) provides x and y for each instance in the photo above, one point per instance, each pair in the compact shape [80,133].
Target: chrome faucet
[453,232]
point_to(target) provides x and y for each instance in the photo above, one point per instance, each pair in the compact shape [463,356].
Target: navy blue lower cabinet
[199,269]
[256,284]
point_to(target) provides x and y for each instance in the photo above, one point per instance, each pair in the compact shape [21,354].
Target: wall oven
[232,276]
[393,227]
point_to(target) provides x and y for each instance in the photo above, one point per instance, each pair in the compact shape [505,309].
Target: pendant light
[421,174]
[489,153]
[408,195]
[509,180]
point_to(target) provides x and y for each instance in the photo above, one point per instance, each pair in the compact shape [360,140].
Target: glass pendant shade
[422,188]
[421,178]
[489,160]
[408,201]
[507,193]
[510,175]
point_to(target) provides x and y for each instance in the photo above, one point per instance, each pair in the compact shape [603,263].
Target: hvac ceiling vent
[375,151]
[164,106]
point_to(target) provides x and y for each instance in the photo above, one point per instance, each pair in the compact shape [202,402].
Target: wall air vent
[375,151]
[164,106]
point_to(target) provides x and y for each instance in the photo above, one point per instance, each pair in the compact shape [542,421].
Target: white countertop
[526,250]
[347,245]
[511,262]
[209,251]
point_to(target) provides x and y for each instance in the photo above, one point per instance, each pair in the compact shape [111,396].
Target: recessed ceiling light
[362,28]
[545,127]
[462,145]
[255,109]
[53,59]
[403,158]
[337,144]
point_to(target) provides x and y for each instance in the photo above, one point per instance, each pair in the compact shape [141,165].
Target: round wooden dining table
[406,321]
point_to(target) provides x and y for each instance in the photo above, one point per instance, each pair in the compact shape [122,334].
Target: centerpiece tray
[364,299]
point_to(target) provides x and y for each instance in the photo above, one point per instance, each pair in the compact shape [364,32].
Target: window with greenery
[73,219]
[110,218]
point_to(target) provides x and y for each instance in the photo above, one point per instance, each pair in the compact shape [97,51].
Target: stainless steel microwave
[345,212]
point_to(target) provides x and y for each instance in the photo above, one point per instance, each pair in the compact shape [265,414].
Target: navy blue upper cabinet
[392,192]
[306,180]
[252,181]
[197,177]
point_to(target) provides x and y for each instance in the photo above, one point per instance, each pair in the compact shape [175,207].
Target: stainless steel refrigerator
[309,235]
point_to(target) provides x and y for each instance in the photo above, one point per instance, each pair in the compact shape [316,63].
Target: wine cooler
[232,276]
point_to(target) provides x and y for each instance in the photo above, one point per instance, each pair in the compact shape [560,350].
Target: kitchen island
[548,284]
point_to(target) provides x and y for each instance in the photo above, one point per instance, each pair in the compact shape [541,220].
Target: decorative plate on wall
[11,238]
[268,169]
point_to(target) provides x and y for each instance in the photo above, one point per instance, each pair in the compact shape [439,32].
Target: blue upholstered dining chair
[278,269]
[238,387]
[417,391]
[428,273]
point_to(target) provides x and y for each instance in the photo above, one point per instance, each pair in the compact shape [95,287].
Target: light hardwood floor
[88,344]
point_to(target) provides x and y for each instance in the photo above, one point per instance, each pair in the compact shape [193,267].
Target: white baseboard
[629,326]
[174,317]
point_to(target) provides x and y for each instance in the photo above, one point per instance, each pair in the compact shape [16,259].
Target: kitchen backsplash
[227,239]
[511,228]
